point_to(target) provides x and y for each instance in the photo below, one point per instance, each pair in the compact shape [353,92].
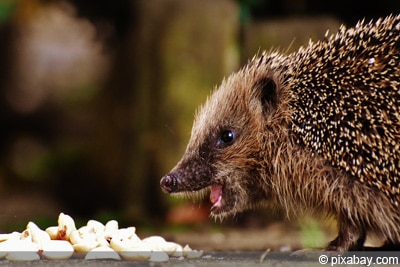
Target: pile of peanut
[92,241]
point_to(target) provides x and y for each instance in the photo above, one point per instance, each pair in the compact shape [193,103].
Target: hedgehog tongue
[216,195]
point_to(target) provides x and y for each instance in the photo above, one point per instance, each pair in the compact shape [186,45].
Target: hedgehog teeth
[196,196]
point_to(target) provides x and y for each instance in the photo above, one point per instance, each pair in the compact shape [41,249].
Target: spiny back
[346,108]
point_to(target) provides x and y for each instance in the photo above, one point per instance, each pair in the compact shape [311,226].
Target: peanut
[38,235]
[22,256]
[95,226]
[13,235]
[135,253]
[85,246]
[52,231]
[102,253]
[57,250]
[91,241]
[190,253]
[65,226]
[75,237]
[20,250]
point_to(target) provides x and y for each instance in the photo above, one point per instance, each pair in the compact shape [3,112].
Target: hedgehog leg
[350,238]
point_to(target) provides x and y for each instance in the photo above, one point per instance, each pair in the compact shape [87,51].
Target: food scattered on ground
[94,240]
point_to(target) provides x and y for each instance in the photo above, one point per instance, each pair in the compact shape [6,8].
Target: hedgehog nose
[169,183]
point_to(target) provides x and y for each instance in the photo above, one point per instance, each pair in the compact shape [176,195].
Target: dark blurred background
[97,98]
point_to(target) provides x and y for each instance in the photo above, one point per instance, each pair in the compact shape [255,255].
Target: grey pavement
[231,259]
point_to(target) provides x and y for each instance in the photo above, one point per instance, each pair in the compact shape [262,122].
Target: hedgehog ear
[265,90]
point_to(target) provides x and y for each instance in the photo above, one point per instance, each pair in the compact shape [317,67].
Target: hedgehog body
[317,130]
[347,104]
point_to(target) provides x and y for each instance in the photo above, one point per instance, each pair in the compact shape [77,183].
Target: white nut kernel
[135,238]
[101,239]
[124,233]
[75,237]
[85,246]
[156,243]
[19,245]
[13,235]
[190,253]
[102,253]
[173,249]
[22,256]
[26,235]
[3,251]
[57,250]
[38,235]
[16,249]
[92,241]
[111,226]
[52,231]
[135,253]
[120,244]
[65,226]
[110,229]
[155,239]
[84,230]
[95,226]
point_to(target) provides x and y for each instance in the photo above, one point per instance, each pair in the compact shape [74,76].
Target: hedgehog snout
[169,183]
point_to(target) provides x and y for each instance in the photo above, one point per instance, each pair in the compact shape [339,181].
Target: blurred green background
[97,98]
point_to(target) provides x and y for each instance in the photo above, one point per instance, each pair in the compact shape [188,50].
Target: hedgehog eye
[226,138]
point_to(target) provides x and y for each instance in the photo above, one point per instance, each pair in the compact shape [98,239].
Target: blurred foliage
[348,12]
[7,8]
[249,6]
[312,235]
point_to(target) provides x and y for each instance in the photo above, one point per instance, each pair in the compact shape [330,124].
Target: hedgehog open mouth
[215,193]
[216,197]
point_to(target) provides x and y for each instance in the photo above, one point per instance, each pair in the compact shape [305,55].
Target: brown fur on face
[244,108]
[316,131]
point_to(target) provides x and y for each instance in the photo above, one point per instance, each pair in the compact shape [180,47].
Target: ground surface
[231,259]
[276,237]
[230,247]
[238,259]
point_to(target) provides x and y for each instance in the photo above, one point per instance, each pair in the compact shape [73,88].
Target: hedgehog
[316,131]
